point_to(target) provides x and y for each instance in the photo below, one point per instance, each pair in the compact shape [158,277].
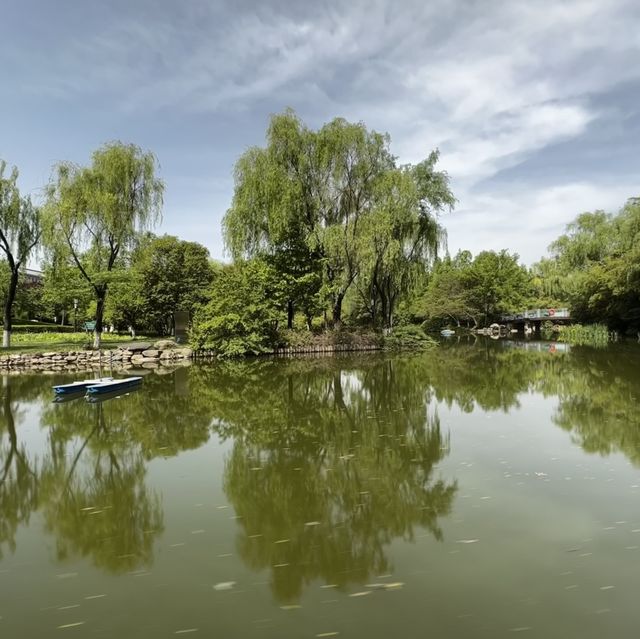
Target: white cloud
[490,83]
[525,219]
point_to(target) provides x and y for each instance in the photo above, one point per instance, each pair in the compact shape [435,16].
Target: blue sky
[535,106]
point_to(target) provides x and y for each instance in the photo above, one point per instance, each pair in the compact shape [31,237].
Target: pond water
[477,490]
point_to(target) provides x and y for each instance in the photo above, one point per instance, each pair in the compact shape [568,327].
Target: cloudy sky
[534,105]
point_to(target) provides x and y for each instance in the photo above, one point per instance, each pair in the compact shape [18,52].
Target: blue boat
[79,386]
[105,397]
[113,385]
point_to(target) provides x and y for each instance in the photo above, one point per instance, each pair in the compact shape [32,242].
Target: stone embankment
[141,354]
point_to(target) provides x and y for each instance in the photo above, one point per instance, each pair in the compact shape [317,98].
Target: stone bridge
[531,320]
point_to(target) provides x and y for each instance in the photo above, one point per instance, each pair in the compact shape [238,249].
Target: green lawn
[31,342]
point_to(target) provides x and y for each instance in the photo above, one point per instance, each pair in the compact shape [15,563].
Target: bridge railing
[539,313]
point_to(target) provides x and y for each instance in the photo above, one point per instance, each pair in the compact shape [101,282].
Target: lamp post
[75,315]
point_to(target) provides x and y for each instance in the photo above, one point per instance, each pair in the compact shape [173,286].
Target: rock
[137,347]
[165,344]
[166,355]
[150,353]
[184,353]
[70,358]
[137,359]
[49,355]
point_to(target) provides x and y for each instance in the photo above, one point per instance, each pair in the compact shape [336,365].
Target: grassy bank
[41,341]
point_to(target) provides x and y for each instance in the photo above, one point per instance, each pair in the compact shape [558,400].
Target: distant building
[32,277]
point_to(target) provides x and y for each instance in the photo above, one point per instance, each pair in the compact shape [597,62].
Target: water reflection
[18,474]
[331,460]
[340,465]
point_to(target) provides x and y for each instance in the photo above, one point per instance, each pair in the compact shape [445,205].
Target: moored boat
[447,332]
[79,386]
[113,385]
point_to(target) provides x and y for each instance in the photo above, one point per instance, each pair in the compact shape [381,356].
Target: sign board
[181,323]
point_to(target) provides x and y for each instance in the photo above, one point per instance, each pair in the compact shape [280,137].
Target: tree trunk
[384,309]
[97,332]
[8,307]
[337,310]
[290,314]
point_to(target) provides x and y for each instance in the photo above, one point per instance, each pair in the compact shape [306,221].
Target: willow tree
[401,235]
[19,234]
[308,189]
[94,213]
[338,194]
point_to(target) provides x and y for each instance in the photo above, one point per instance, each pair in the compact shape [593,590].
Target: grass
[31,342]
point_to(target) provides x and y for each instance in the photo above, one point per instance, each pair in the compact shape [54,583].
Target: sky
[534,105]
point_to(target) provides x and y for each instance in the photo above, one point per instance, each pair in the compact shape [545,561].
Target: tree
[496,283]
[174,275]
[401,236]
[446,297]
[94,214]
[597,265]
[462,289]
[19,235]
[63,286]
[337,192]
[244,312]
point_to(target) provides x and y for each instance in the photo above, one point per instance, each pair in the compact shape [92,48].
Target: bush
[243,314]
[410,338]
[596,335]
[71,339]
[35,327]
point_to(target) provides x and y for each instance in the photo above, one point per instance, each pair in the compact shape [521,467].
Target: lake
[481,489]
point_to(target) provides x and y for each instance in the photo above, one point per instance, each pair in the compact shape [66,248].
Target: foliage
[243,314]
[409,338]
[337,198]
[469,290]
[596,335]
[38,327]
[63,285]
[93,214]
[19,234]
[342,339]
[595,264]
[67,337]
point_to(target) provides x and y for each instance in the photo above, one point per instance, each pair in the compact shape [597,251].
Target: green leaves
[19,235]
[338,192]
[596,265]
[243,314]
[93,214]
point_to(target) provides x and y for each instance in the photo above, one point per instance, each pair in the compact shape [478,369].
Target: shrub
[597,335]
[410,337]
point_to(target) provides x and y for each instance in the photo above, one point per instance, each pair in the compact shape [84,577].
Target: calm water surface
[474,491]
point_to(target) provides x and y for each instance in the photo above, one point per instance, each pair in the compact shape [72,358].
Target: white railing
[539,313]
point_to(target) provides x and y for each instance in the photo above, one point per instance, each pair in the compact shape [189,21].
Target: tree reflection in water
[332,459]
[339,464]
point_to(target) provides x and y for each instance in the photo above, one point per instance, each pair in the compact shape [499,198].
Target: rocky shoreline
[142,354]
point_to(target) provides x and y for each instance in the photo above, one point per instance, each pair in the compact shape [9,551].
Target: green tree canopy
[19,235]
[338,195]
[93,214]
